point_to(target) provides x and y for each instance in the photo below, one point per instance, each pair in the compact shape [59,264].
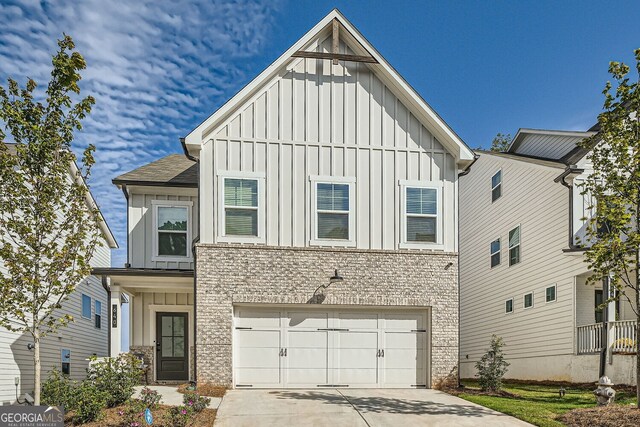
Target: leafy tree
[501,142]
[613,232]
[48,230]
[491,367]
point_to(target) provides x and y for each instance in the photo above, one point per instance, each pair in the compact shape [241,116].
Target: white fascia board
[435,124]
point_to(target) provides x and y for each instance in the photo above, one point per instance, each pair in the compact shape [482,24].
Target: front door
[172,355]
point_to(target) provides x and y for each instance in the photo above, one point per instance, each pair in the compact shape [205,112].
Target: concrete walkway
[356,407]
[171,396]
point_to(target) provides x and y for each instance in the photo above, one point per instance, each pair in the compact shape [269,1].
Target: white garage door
[305,347]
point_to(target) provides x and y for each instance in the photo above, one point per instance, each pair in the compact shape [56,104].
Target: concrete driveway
[356,407]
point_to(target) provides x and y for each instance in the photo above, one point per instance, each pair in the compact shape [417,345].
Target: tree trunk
[36,368]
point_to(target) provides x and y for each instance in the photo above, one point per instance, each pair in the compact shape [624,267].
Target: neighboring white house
[522,276]
[69,349]
[322,201]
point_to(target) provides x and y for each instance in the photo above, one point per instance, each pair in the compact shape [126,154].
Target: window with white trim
[496,186]
[421,216]
[514,246]
[241,207]
[172,234]
[98,314]
[86,306]
[495,253]
[550,293]
[528,300]
[332,211]
[508,306]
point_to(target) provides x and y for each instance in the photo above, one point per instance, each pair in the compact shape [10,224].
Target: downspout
[195,272]
[465,172]
[106,287]
[570,187]
[126,196]
[605,327]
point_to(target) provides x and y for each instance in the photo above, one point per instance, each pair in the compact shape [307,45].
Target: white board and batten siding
[141,225]
[81,337]
[144,306]
[530,198]
[319,119]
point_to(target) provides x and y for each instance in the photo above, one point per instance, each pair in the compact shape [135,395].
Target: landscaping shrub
[492,366]
[88,402]
[115,376]
[178,416]
[150,398]
[58,390]
[133,413]
[194,402]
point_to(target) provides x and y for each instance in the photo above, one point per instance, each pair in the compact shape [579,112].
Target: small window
[98,308]
[172,229]
[508,306]
[496,186]
[333,211]
[86,306]
[550,293]
[65,360]
[528,300]
[514,246]
[241,207]
[495,253]
[421,215]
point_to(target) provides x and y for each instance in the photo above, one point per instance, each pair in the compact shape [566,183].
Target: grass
[539,404]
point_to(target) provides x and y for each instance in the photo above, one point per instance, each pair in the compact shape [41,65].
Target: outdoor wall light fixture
[318,298]
[336,278]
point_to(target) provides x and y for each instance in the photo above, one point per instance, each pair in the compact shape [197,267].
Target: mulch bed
[205,389]
[111,418]
[478,392]
[604,416]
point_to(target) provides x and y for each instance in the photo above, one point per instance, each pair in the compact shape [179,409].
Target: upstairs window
[334,213]
[495,253]
[86,306]
[422,215]
[241,213]
[514,246]
[172,231]
[550,293]
[98,315]
[496,186]
[241,207]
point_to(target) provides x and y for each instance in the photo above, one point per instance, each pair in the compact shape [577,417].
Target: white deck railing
[623,337]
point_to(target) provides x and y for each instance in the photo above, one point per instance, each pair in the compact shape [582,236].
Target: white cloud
[156,68]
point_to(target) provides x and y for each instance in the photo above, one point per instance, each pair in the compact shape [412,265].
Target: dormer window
[172,229]
[496,186]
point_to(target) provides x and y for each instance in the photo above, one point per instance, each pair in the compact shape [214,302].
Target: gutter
[183,142]
[570,170]
[468,168]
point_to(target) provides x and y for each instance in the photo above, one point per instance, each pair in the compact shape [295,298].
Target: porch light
[336,278]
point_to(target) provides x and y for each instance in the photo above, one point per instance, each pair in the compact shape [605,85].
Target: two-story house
[69,349]
[522,274]
[308,237]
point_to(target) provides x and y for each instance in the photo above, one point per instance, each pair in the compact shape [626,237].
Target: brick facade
[229,274]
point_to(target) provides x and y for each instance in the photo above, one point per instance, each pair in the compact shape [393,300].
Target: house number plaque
[114,316]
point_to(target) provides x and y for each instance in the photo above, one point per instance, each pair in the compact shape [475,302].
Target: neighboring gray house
[522,276]
[326,168]
[69,349]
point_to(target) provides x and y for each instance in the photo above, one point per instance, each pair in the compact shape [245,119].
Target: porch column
[115,320]
[611,317]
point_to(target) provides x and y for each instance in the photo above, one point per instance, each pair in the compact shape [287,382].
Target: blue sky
[158,68]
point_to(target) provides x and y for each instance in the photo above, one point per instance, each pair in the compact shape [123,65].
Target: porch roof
[155,272]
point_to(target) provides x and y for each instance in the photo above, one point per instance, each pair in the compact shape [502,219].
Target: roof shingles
[174,170]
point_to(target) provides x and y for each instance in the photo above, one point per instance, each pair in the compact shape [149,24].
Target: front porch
[160,329]
[590,320]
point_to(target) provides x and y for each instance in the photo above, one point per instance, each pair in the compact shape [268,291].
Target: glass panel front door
[172,346]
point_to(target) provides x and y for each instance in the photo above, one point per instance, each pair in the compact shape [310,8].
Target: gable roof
[434,123]
[174,170]
[540,161]
[552,144]
[91,201]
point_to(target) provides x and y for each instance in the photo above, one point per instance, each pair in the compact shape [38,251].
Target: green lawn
[540,404]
